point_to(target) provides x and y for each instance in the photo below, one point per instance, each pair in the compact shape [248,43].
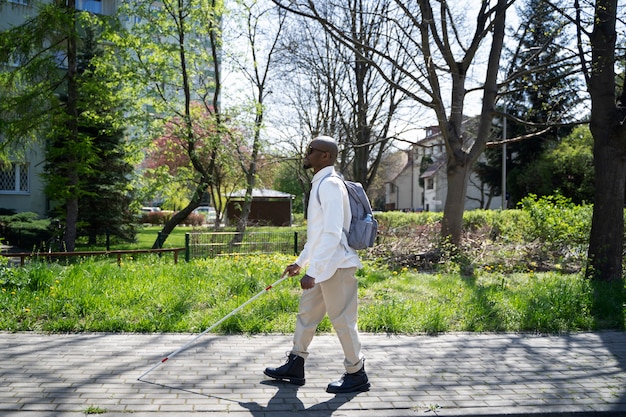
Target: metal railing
[201,244]
[197,245]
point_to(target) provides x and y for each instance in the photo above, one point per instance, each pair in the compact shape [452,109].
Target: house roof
[408,156]
[433,168]
[261,193]
[434,137]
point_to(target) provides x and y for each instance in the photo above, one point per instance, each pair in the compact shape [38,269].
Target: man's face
[314,157]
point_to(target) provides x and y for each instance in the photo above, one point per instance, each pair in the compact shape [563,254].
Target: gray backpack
[363,226]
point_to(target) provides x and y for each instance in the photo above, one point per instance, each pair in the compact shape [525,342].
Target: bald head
[326,144]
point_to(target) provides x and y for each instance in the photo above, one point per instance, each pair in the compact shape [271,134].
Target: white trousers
[336,297]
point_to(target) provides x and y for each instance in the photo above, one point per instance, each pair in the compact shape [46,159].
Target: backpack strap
[320,184]
[345,232]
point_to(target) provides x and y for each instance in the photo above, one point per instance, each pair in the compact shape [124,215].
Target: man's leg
[311,312]
[341,297]
[340,294]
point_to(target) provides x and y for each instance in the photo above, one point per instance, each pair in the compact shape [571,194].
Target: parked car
[150,209]
[207,211]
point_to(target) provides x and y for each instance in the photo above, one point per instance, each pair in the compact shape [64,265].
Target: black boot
[354,382]
[292,371]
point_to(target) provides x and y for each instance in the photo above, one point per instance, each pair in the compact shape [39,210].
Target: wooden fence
[118,253]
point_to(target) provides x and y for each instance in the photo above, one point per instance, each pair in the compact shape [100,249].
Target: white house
[422,183]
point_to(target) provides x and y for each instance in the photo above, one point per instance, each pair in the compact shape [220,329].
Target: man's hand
[292,270]
[307,282]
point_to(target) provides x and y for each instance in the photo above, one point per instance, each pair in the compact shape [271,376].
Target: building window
[430,184]
[93,6]
[14,179]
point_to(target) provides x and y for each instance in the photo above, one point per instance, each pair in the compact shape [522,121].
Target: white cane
[220,321]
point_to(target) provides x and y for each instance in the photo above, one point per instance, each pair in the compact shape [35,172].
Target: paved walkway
[581,374]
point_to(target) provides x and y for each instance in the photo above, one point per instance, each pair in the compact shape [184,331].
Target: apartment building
[21,185]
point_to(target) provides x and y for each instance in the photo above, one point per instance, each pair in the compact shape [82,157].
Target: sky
[237,88]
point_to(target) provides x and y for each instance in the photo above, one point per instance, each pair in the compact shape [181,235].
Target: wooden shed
[269,208]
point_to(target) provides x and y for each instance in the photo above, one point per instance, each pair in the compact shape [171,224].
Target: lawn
[155,295]
[517,271]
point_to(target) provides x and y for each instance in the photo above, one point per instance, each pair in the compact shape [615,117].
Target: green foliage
[105,207]
[395,219]
[25,230]
[543,93]
[491,302]
[502,293]
[543,234]
[92,166]
[76,115]
[287,181]
[566,169]
[556,221]
[28,102]
[94,410]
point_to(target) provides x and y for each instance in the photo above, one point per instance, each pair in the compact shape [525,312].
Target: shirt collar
[322,173]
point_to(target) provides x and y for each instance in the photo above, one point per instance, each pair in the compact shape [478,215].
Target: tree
[543,92]
[42,100]
[287,182]
[169,172]
[171,55]
[262,41]
[338,90]
[441,56]
[30,78]
[103,170]
[608,113]
[565,169]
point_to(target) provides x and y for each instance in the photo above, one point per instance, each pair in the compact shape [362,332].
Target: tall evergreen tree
[544,92]
[91,171]
[105,207]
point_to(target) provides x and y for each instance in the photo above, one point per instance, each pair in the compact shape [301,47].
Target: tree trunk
[251,173]
[171,224]
[180,216]
[452,222]
[72,112]
[71,213]
[246,207]
[606,240]
[607,228]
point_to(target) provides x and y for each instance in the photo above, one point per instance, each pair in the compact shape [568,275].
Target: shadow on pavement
[286,401]
[614,343]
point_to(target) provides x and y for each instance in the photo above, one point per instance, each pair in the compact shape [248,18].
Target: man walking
[329,285]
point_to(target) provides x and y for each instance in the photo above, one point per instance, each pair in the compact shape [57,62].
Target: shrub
[156,217]
[556,221]
[397,220]
[25,230]
[194,219]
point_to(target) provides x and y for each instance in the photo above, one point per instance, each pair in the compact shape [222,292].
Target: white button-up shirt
[326,248]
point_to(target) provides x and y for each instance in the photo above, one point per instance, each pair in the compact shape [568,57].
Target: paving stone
[459,374]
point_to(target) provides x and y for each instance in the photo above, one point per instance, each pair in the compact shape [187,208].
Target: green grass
[153,294]
[545,302]
[146,236]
